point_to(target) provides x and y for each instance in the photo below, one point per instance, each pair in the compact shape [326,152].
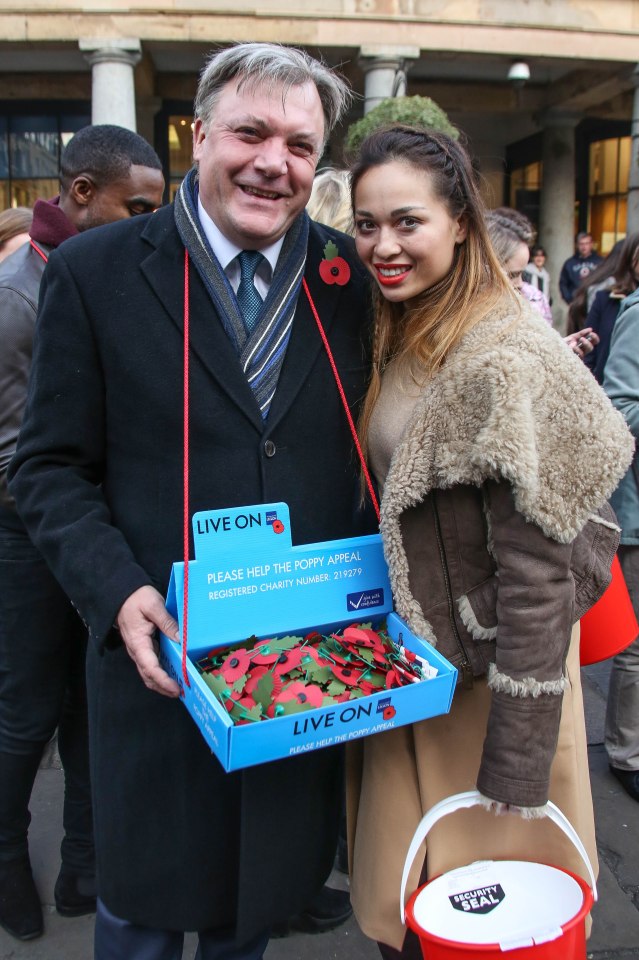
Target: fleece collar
[513,403]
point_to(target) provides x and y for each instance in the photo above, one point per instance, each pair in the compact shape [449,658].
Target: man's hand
[139,616]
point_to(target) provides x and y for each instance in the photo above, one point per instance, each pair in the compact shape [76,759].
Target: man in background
[578,267]
[107,173]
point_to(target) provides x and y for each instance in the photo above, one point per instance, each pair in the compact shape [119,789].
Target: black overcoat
[98,480]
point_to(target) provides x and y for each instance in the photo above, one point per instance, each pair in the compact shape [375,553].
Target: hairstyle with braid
[424,334]
[508,229]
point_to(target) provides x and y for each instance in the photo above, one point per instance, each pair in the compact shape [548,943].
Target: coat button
[269,448]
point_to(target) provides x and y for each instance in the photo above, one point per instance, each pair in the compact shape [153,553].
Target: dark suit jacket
[602,317]
[98,481]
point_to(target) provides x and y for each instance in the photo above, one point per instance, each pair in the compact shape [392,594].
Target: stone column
[385,70]
[557,213]
[632,224]
[113,87]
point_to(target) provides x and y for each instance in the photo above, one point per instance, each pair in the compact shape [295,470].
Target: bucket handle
[472,798]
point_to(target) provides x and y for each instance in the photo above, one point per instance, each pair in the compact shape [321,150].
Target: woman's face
[517,264]
[405,235]
[539,260]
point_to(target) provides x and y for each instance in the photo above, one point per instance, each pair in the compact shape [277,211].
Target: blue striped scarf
[261,353]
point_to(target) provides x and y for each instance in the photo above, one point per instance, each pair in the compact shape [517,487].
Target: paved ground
[616,916]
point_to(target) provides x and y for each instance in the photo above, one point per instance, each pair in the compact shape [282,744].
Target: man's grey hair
[271,64]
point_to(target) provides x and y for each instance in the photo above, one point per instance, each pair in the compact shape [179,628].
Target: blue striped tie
[248,298]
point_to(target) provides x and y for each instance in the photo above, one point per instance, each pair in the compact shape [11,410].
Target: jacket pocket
[477,610]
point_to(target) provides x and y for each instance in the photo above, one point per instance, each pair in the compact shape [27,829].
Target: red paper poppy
[255,676]
[392,680]
[389,713]
[278,526]
[348,674]
[335,270]
[263,654]
[363,638]
[235,665]
[309,651]
[287,660]
[239,698]
[335,657]
[302,692]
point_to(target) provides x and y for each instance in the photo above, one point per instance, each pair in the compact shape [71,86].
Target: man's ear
[82,190]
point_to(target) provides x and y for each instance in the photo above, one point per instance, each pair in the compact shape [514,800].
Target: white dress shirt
[226,252]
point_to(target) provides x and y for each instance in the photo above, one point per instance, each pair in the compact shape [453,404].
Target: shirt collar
[224,250]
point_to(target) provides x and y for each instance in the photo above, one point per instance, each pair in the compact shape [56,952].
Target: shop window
[609,167]
[30,147]
[524,180]
[180,151]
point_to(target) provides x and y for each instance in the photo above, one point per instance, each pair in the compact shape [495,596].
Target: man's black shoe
[74,896]
[629,780]
[20,909]
[328,910]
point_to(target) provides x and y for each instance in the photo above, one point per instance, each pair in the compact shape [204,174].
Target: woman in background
[536,274]
[511,233]
[14,229]
[330,200]
[603,313]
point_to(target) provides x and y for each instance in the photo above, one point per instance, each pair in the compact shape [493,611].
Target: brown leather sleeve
[535,602]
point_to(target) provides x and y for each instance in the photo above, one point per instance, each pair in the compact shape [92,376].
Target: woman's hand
[582,342]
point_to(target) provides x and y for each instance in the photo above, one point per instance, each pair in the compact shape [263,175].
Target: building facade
[545,91]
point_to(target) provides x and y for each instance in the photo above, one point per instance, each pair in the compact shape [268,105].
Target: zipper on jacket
[466,669]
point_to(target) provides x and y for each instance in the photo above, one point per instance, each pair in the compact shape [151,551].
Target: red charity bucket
[569,945]
[610,625]
[511,909]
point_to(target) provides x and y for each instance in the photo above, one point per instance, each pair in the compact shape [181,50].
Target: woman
[601,278]
[511,234]
[603,313]
[15,224]
[472,427]
[536,274]
[330,200]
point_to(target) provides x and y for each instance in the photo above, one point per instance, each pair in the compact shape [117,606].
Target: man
[621,383]
[578,267]
[107,173]
[99,478]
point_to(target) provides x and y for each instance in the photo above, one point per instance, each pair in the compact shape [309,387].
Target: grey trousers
[622,714]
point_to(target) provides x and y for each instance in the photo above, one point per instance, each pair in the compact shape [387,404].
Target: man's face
[584,246]
[139,192]
[257,160]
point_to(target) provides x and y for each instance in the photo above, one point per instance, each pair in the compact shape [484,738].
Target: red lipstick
[396,278]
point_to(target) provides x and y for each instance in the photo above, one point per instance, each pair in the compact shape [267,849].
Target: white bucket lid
[509,902]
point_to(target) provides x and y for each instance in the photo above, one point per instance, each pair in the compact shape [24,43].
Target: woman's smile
[390,275]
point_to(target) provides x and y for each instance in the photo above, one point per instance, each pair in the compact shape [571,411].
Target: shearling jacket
[490,501]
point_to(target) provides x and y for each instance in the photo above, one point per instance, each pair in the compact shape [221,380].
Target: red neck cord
[185,518]
[367,476]
[39,251]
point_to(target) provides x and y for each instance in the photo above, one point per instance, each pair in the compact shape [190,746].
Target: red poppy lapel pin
[333,268]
